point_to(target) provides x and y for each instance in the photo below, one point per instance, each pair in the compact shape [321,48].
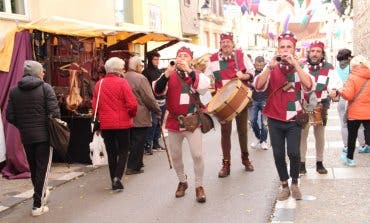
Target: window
[14,9]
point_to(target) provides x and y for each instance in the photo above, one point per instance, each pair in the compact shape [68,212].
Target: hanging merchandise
[74,98]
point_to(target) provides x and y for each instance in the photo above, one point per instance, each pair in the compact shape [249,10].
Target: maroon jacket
[117,103]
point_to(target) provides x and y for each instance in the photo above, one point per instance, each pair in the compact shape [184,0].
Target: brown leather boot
[180,192]
[225,170]
[200,195]
[247,163]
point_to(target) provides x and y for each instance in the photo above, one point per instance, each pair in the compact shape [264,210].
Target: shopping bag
[98,153]
[59,136]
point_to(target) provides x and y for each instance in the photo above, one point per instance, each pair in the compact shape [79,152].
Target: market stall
[73,54]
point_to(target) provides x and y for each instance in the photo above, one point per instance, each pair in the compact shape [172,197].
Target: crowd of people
[289,96]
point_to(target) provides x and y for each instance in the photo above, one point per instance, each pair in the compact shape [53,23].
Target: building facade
[361,34]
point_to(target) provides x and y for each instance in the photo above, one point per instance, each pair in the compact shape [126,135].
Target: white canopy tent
[198,50]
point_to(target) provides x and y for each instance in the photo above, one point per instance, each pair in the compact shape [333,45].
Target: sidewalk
[342,195]
[14,192]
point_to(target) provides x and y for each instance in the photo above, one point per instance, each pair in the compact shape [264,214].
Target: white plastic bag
[98,153]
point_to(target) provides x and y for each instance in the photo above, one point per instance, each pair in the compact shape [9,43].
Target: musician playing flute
[284,80]
[225,65]
[317,101]
[179,105]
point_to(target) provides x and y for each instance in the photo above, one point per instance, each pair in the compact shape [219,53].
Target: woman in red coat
[116,109]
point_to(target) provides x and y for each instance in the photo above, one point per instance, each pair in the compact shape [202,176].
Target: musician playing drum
[285,80]
[317,104]
[225,65]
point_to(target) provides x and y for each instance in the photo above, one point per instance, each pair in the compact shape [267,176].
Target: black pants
[39,160]
[289,134]
[353,126]
[117,144]
[137,136]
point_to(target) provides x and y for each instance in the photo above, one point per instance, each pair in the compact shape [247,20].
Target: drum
[315,117]
[230,100]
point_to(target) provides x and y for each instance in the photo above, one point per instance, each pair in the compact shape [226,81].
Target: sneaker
[157,146]
[39,211]
[264,145]
[255,145]
[364,149]
[296,193]
[117,185]
[347,161]
[132,171]
[148,151]
[45,198]
[283,194]
[345,149]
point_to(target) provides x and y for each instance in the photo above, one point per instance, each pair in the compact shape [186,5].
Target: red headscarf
[288,36]
[185,50]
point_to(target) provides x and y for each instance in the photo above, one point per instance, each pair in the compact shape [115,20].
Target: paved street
[150,197]
[340,196]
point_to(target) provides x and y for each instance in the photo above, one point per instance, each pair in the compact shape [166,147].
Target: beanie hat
[32,68]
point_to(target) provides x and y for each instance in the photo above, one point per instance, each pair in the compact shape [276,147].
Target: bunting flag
[307,18]
[271,35]
[285,28]
[240,2]
[290,2]
[308,2]
[300,3]
[338,6]
[244,6]
[254,6]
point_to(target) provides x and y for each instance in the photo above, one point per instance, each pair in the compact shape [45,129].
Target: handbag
[59,136]
[95,125]
[201,117]
[58,132]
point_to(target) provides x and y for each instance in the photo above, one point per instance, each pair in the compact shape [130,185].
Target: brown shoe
[180,192]
[283,194]
[246,162]
[248,165]
[296,193]
[225,170]
[201,196]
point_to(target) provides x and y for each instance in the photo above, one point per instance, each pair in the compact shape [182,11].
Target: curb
[53,183]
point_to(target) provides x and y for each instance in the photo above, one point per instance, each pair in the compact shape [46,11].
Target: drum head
[222,95]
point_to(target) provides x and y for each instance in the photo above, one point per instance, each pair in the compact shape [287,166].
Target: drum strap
[285,84]
[192,95]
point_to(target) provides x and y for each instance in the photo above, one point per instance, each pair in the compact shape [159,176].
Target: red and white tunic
[283,105]
[223,69]
[178,100]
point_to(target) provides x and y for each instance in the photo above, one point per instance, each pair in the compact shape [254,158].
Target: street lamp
[205,10]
